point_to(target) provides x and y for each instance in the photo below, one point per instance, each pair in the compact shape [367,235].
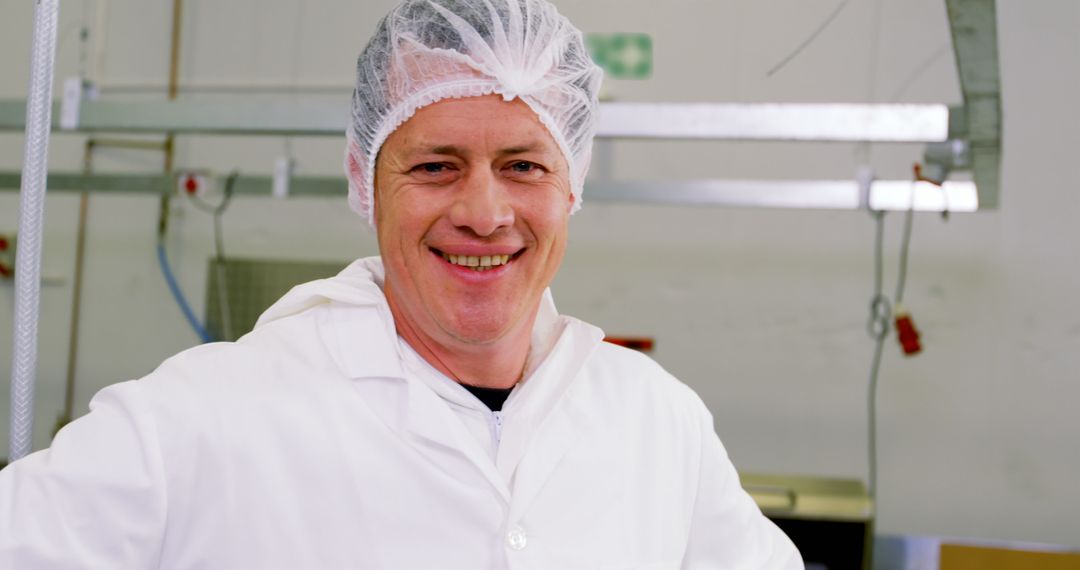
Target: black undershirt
[493,398]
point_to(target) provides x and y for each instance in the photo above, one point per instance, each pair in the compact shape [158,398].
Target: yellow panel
[954,557]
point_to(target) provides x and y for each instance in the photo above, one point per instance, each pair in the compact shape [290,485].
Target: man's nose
[482,205]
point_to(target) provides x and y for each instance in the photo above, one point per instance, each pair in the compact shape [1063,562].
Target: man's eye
[523,166]
[431,168]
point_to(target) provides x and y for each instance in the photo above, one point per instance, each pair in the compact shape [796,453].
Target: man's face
[472,202]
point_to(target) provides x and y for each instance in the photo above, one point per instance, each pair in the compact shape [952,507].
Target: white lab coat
[314,442]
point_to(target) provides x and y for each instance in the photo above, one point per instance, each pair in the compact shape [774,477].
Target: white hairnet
[424,51]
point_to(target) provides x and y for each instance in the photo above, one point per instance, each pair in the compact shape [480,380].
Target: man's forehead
[456,124]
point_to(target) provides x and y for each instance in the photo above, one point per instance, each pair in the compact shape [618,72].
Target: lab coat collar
[359,333]
[359,284]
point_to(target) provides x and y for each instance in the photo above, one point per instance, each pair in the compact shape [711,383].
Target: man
[428,408]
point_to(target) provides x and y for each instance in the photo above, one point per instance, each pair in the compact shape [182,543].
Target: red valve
[640,344]
[191,184]
[905,331]
[6,271]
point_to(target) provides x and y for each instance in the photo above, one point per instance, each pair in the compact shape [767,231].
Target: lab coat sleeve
[95,499]
[727,530]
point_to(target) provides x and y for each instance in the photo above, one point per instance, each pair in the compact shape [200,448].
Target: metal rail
[717,121]
[798,194]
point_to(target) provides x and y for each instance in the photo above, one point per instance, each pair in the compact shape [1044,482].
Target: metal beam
[973,24]
[716,121]
[792,194]
[189,117]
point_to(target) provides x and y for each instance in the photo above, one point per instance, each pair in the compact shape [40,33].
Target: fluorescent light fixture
[807,194]
[775,121]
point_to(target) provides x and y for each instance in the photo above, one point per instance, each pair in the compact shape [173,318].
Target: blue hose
[179,296]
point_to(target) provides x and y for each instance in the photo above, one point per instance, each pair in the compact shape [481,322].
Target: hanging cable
[917,72]
[166,270]
[905,242]
[810,39]
[219,250]
[177,294]
[881,314]
[864,150]
[878,329]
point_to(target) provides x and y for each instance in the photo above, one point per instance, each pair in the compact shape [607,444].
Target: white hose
[31,214]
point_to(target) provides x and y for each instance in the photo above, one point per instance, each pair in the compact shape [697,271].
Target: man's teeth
[477,262]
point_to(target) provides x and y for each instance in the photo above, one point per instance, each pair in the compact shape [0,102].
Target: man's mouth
[477,262]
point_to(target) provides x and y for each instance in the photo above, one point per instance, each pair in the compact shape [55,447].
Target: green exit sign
[622,56]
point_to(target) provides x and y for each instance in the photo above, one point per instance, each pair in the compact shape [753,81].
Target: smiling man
[427,408]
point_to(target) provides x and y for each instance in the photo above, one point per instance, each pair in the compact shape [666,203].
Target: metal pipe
[68,412]
[127,144]
[794,122]
[225,88]
[174,50]
[31,218]
[169,146]
[955,196]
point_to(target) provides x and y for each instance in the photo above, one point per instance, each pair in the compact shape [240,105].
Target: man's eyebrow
[447,149]
[522,149]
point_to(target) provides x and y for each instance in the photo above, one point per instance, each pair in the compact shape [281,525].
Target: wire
[163,259]
[810,39]
[225,313]
[877,325]
[878,328]
[919,70]
[219,262]
[218,210]
[875,367]
[905,243]
[864,150]
[174,288]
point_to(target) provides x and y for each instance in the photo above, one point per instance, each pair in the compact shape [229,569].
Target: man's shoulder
[617,357]
[618,371]
[267,354]
[265,380]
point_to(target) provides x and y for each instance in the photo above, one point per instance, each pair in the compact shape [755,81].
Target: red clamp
[906,332]
[6,270]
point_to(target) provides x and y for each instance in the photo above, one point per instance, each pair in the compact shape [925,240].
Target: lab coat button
[516,538]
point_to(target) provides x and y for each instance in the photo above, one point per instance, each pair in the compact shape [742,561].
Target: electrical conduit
[31,217]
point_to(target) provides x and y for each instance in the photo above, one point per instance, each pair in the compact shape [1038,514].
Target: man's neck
[488,367]
[497,364]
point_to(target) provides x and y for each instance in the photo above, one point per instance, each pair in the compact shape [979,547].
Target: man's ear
[356,174]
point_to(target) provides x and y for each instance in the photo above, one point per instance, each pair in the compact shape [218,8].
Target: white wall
[762,311]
